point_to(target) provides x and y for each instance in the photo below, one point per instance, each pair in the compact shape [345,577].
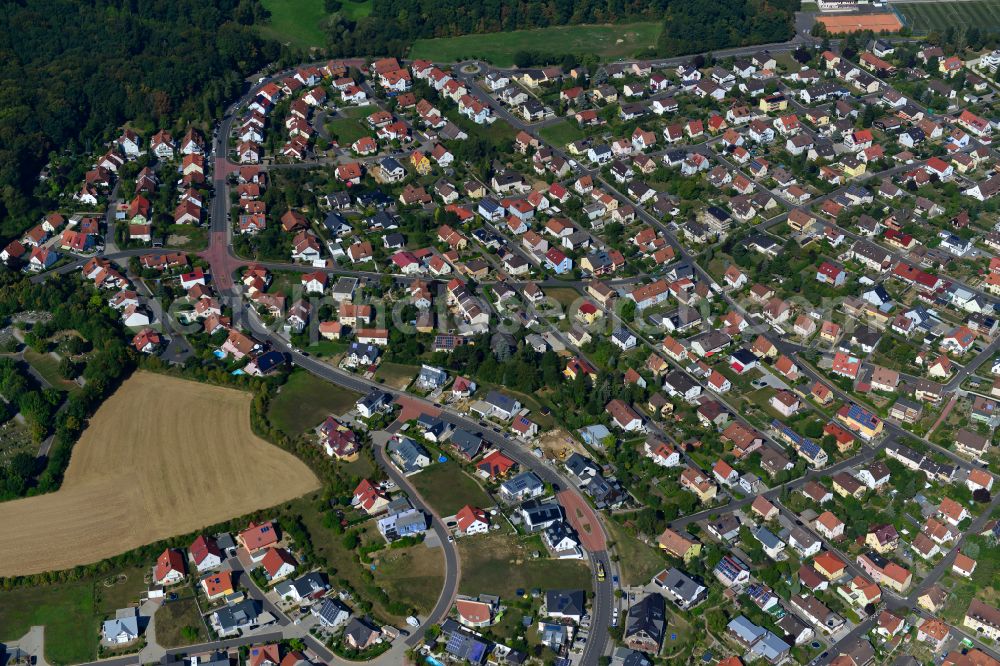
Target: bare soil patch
[558,444]
[162,456]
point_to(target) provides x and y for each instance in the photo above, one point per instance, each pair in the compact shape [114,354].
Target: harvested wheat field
[162,456]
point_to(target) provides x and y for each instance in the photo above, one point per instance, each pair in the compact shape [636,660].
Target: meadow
[609,42]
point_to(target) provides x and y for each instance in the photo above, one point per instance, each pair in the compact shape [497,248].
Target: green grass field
[71,612]
[296,22]
[562,133]
[48,368]
[67,611]
[564,295]
[498,563]
[356,9]
[447,488]
[926,17]
[305,401]
[607,41]
[351,127]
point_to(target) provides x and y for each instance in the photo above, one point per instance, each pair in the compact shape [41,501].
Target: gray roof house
[435,429]
[310,586]
[568,604]
[772,648]
[431,378]
[646,624]
[623,656]
[680,588]
[124,628]
[581,467]
[503,406]
[239,616]
[744,631]
[521,487]
[360,634]
[332,612]
[463,644]
[537,515]
[374,402]
[408,455]
[468,444]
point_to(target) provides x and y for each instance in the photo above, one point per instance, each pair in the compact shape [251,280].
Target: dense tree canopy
[73,71]
[693,25]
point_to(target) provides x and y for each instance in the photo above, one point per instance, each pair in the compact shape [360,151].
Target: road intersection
[225,263]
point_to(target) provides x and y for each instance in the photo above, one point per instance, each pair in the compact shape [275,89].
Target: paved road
[224,262]
[452,563]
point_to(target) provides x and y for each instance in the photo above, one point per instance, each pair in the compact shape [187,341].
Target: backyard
[395,375]
[305,401]
[561,133]
[66,610]
[412,575]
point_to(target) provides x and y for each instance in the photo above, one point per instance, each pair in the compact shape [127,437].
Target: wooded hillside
[72,71]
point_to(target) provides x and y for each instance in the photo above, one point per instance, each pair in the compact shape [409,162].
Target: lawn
[120,591]
[501,564]
[297,22]
[48,367]
[926,17]
[67,611]
[395,375]
[607,41]
[413,575]
[174,616]
[71,612]
[564,295]
[305,401]
[355,9]
[447,488]
[637,561]
[349,125]
[562,133]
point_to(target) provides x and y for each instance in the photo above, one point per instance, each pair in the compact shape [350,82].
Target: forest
[694,26]
[73,307]
[690,26]
[73,71]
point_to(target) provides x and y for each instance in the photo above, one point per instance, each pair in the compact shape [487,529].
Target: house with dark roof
[646,624]
[565,604]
